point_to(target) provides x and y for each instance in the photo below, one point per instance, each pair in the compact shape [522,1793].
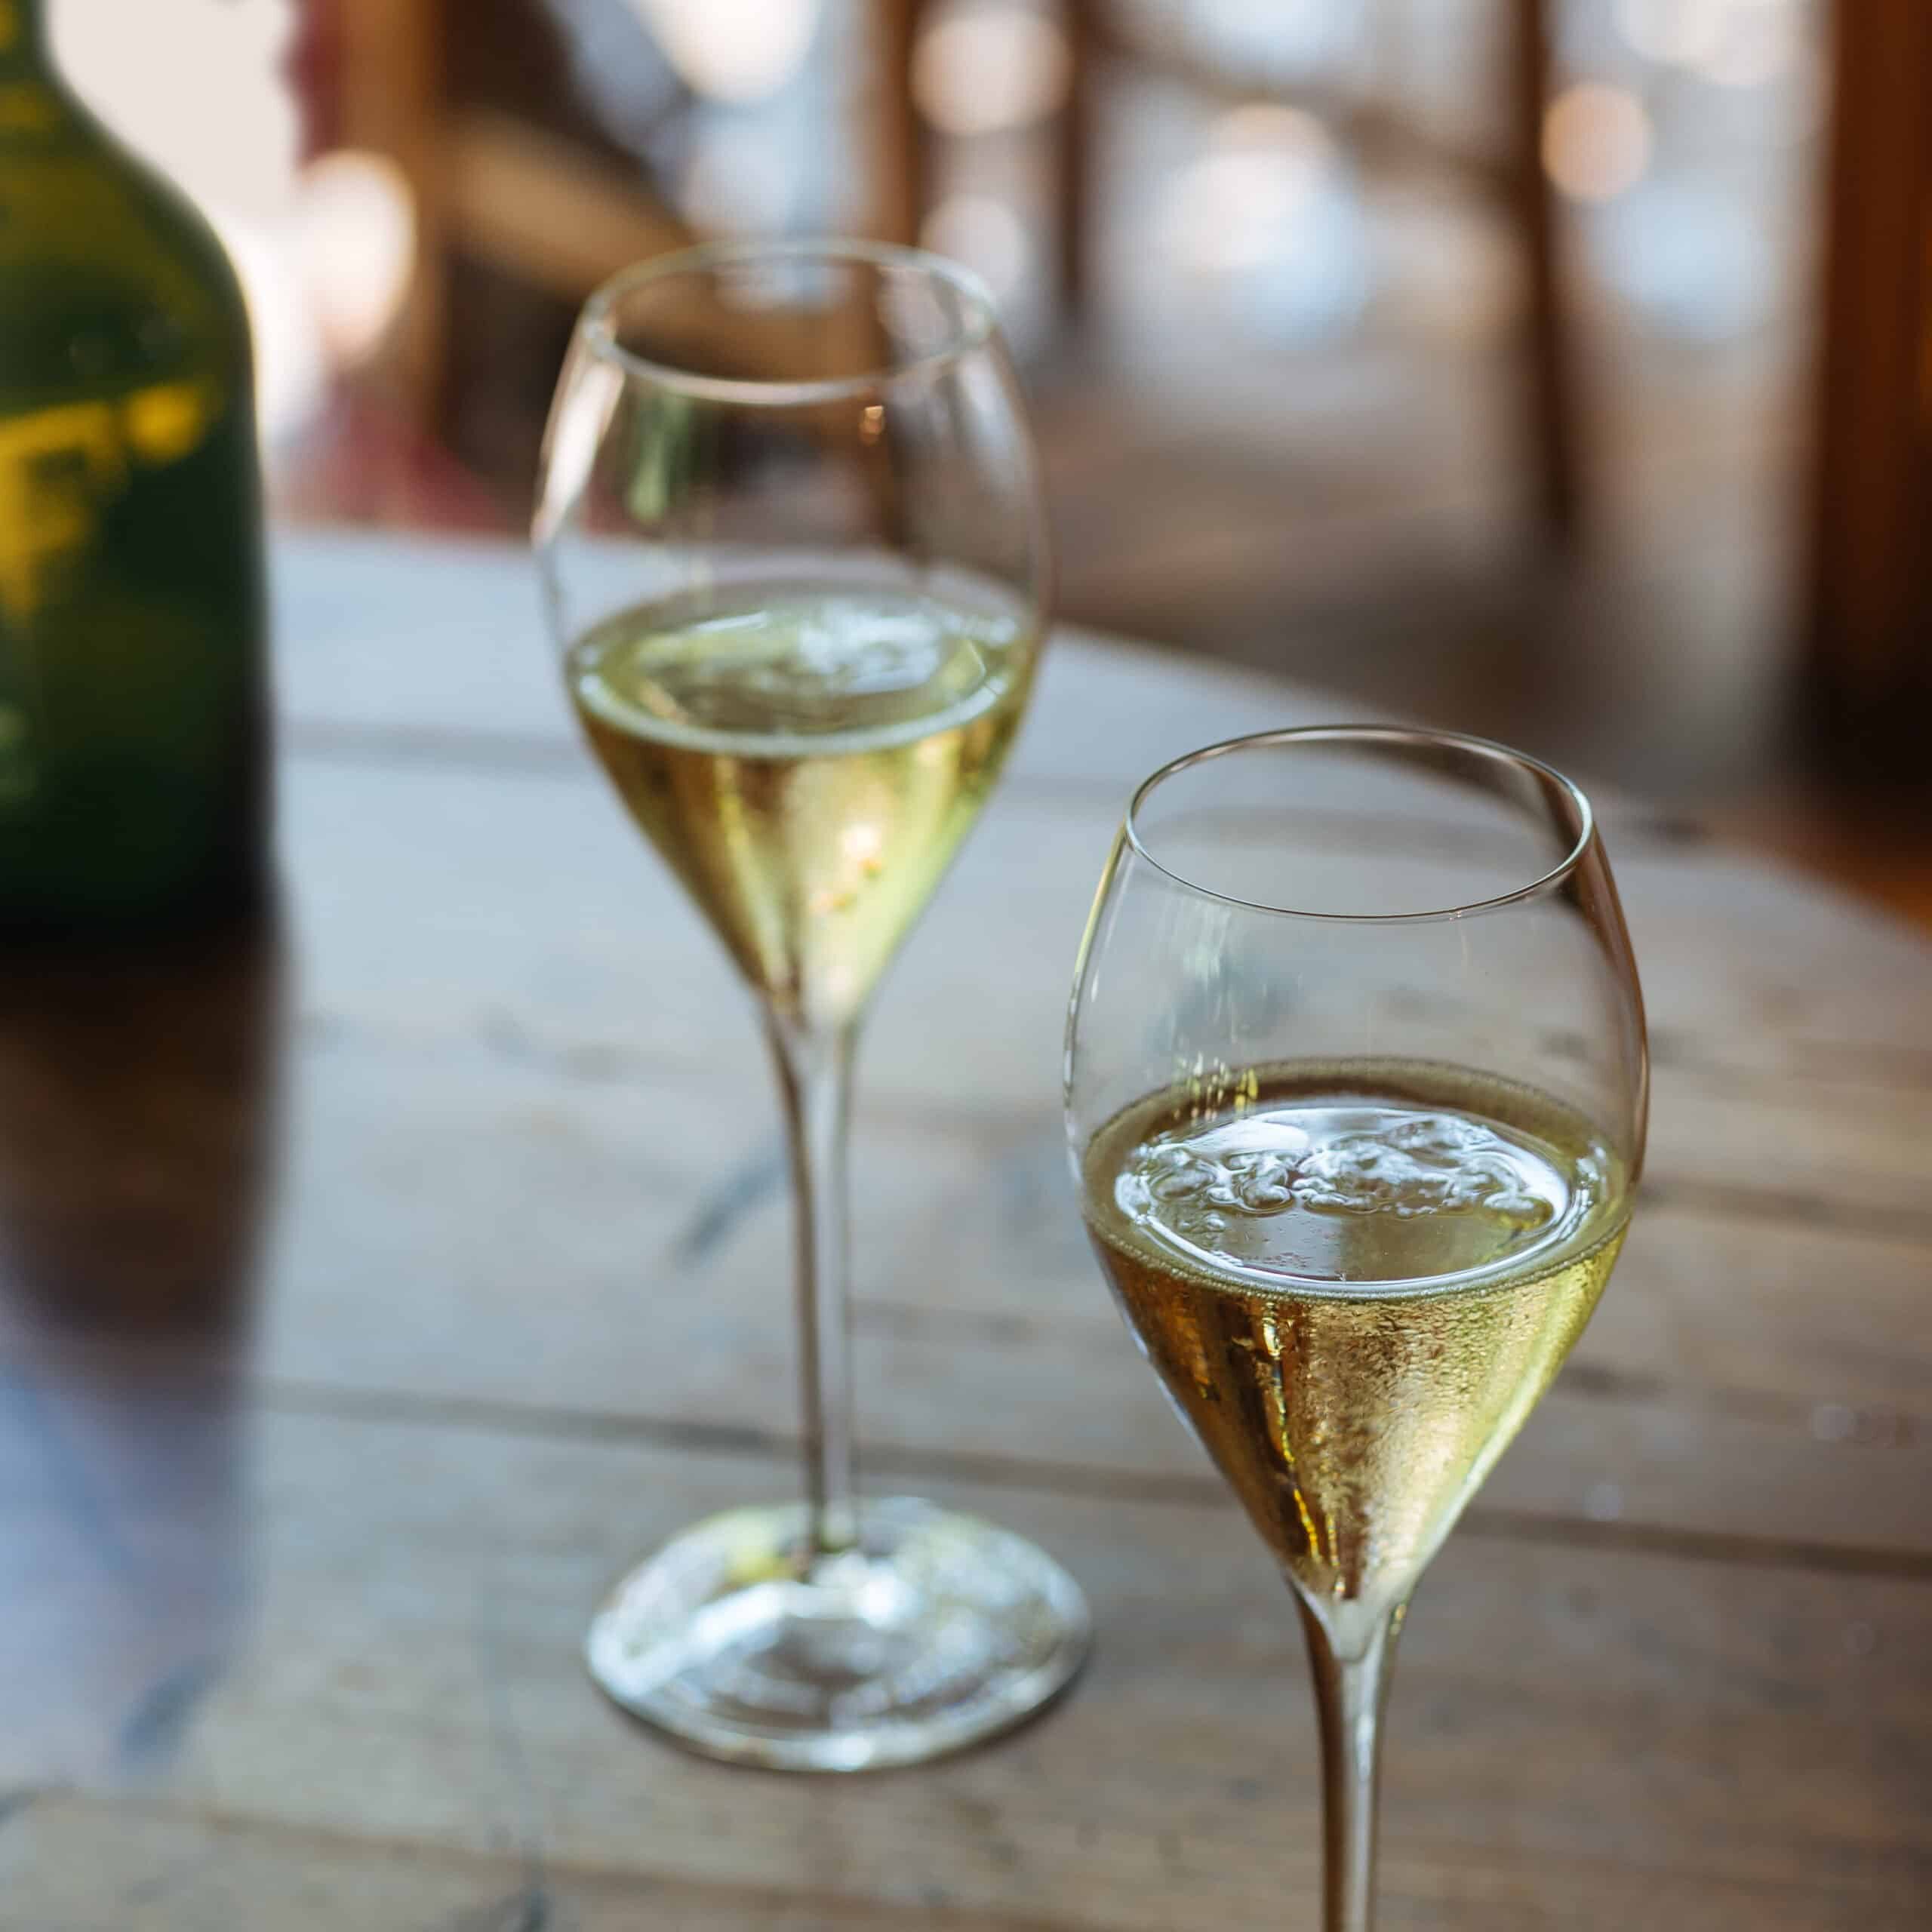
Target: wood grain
[76,1865]
[1870,490]
[371,1292]
[1571,1727]
[446,675]
[608,1275]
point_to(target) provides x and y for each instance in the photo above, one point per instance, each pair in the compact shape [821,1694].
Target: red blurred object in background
[314,67]
[363,460]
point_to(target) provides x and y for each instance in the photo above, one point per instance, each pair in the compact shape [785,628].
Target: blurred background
[1557,369]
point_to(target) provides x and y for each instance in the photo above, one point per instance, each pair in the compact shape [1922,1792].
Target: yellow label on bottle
[60,467]
[165,423]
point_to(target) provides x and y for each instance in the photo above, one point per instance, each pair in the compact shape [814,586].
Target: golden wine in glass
[1356,1096]
[790,531]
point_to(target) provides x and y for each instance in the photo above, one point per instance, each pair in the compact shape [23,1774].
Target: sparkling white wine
[808,761]
[1356,1278]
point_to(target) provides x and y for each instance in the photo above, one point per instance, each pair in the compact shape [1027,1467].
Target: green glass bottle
[131,611]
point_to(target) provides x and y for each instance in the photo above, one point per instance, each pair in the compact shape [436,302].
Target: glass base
[937,1630]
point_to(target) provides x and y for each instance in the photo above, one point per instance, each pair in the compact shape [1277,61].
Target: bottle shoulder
[107,270]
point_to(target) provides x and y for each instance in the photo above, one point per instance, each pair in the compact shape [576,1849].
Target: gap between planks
[494,1415]
[543,1889]
[473,749]
[594,1062]
[185,1839]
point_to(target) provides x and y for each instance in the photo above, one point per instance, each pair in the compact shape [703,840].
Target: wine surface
[1355,1280]
[807,761]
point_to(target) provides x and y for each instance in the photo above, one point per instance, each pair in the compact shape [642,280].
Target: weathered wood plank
[455,1226]
[593,1262]
[401,648]
[70,1864]
[302,1544]
[79,1865]
[396,650]
[1577,1737]
[384,637]
[527,909]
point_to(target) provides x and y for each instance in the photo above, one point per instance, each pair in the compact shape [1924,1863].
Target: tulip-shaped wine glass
[1356,1095]
[790,530]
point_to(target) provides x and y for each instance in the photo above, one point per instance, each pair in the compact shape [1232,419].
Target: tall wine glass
[1356,1094]
[790,529]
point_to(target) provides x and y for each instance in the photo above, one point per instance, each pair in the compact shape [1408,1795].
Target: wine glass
[1356,1090]
[791,535]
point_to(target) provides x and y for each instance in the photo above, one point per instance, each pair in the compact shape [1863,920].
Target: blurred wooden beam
[1074,137]
[543,211]
[900,149]
[1550,375]
[1869,655]
[390,102]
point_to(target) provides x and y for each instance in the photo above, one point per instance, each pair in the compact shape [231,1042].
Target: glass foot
[936,1631]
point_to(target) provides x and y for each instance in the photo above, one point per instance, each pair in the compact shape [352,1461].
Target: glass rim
[594,328]
[1487,749]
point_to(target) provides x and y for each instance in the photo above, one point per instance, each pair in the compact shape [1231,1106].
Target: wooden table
[371,1299]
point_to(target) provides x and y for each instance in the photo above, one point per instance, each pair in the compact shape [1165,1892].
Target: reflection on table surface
[137,1099]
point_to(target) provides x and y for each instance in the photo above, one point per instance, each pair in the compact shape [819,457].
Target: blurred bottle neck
[22,36]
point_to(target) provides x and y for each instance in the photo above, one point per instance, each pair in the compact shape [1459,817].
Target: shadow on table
[137,1124]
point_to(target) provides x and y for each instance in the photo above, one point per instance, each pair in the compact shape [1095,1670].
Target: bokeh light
[1228,210]
[1596,141]
[738,50]
[984,233]
[1732,43]
[358,231]
[1672,33]
[982,68]
[1761,43]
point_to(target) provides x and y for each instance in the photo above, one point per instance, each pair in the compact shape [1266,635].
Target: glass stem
[1350,1692]
[815,1080]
